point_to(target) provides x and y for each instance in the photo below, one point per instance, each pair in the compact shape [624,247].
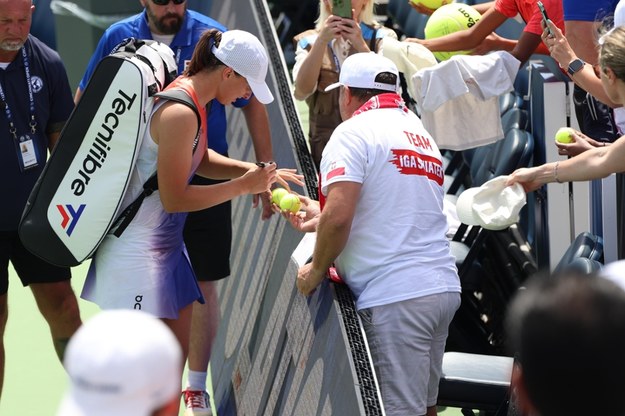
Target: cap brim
[332,86]
[261,91]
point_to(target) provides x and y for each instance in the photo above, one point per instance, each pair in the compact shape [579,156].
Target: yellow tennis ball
[431,4]
[565,135]
[277,194]
[290,202]
[447,19]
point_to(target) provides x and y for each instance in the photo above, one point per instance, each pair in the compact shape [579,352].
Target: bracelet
[555,172]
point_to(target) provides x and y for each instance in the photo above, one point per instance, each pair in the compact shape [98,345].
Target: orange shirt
[531,15]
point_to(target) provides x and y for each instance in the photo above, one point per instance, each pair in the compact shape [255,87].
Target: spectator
[123,363]
[569,335]
[478,35]
[598,162]
[35,102]
[580,22]
[319,56]
[391,251]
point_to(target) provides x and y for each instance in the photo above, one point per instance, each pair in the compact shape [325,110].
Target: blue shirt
[588,10]
[184,42]
[53,105]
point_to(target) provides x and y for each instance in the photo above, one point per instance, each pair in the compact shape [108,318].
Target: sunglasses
[166,2]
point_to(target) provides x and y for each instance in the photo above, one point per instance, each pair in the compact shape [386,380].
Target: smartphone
[342,8]
[541,7]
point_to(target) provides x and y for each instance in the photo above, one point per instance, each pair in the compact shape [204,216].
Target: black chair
[481,382]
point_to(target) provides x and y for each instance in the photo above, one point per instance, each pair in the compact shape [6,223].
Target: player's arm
[173,128]
[465,39]
[333,231]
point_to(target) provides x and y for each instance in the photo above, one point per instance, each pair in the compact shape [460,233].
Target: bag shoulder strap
[151,184]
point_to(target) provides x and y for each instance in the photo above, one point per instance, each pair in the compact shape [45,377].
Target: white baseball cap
[244,53]
[493,206]
[122,363]
[360,70]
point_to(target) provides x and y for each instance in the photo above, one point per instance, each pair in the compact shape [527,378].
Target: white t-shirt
[397,248]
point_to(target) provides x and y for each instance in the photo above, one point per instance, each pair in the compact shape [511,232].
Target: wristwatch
[575,65]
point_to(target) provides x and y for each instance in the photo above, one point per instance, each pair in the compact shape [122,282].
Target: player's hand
[260,178]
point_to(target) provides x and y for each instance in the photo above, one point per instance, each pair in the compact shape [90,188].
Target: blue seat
[415,25]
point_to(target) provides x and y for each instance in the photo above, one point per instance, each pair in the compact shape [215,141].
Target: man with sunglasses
[207,233]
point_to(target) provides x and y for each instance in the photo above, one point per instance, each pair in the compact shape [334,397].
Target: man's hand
[308,279]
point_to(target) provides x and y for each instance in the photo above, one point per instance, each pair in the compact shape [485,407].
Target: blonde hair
[612,51]
[366,16]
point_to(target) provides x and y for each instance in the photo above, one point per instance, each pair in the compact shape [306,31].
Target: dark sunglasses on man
[166,2]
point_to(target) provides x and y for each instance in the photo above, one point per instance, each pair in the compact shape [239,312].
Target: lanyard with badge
[24,143]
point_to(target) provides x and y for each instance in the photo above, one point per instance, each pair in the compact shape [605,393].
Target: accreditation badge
[26,152]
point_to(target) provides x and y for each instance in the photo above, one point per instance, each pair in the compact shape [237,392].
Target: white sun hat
[493,206]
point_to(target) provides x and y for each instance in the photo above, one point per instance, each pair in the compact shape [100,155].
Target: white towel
[458,98]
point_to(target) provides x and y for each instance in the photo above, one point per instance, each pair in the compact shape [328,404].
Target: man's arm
[332,233]
[257,121]
[582,37]
[258,124]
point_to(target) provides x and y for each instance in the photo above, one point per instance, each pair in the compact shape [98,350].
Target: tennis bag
[78,196]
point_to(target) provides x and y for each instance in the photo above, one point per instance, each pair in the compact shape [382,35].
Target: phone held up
[541,7]
[342,8]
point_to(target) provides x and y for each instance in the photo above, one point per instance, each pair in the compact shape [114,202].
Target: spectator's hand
[558,46]
[580,144]
[526,177]
[489,44]
[414,40]
[350,30]
[330,29]
[307,280]
[421,8]
[307,218]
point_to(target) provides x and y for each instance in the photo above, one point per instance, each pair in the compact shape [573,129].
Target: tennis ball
[447,19]
[431,4]
[565,135]
[290,202]
[277,194]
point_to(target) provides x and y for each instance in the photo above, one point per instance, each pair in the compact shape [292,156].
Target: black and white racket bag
[77,199]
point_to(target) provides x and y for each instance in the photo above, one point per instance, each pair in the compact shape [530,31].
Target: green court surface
[34,379]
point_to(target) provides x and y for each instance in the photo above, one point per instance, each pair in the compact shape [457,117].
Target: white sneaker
[197,403]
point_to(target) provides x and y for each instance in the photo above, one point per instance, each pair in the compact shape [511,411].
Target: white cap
[122,363]
[244,53]
[493,206]
[360,70]
[410,57]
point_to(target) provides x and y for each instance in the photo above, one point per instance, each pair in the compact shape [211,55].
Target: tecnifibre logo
[70,216]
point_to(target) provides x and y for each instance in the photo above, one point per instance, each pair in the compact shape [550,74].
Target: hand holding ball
[565,135]
[448,19]
[290,202]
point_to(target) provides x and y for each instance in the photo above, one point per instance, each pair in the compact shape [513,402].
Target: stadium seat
[415,25]
[475,381]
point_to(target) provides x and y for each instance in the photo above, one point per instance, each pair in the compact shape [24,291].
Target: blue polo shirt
[193,26]
[53,105]
[588,10]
